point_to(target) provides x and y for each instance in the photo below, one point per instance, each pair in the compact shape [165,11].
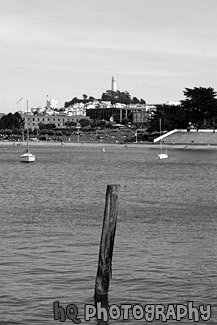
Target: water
[51,220]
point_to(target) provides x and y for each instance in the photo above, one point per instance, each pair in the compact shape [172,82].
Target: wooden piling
[104,271]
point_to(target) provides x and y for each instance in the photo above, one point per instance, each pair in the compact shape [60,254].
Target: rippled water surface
[51,220]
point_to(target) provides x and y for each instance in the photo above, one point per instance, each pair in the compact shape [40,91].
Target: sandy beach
[101,144]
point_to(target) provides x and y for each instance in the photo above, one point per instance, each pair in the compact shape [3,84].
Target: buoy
[103,149]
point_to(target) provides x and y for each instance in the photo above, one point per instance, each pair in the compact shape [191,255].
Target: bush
[42,138]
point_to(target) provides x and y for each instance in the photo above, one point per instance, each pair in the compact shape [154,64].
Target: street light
[78,126]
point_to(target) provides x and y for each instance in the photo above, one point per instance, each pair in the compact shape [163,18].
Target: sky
[67,48]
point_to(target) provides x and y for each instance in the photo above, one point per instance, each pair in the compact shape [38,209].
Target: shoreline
[101,144]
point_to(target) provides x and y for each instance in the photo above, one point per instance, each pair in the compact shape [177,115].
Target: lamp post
[23,134]
[37,131]
[78,126]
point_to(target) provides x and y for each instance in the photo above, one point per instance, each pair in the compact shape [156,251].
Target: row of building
[96,109]
[93,109]
[50,114]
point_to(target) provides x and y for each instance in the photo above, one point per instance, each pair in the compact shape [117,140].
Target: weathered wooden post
[104,271]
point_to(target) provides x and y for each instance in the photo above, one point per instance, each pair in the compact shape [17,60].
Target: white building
[33,121]
[51,103]
[170,103]
[37,110]
[76,109]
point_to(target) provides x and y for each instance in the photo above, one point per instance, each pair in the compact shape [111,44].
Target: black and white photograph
[108,162]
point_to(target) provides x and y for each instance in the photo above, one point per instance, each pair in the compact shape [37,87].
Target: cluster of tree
[171,116]
[85,99]
[200,105]
[122,97]
[48,126]
[90,124]
[49,132]
[198,109]
[12,121]
[118,96]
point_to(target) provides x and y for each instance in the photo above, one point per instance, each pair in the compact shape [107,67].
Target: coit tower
[114,83]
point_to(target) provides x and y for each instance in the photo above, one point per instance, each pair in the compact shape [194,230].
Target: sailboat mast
[27,129]
[160,136]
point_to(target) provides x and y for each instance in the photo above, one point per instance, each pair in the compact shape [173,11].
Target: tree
[142,101]
[84,122]
[117,97]
[70,123]
[73,101]
[51,132]
[21,120]
[8,131]
[48,126]
[200,105]
[11,121]
[171,116]
[135,100]
[98,123]
[43,131]
[125,121]
[124,97]
[41,125]
[109,95]
[84,97]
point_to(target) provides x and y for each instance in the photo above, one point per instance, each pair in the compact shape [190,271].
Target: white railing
[182,130]
[166,135]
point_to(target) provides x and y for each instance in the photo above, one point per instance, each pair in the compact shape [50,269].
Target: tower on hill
[114,83]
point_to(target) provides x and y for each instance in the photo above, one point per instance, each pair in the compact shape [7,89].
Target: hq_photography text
[148,312]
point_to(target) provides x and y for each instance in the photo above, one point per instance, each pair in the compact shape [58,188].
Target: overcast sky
[65,48]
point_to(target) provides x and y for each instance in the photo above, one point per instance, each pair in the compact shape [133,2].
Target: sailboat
[27,157]
[162,155]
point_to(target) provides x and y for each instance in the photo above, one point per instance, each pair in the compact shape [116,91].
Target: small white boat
[162,155]
[27,157]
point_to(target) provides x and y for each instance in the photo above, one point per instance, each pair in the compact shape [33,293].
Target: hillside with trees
[199,109]
[122,97]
